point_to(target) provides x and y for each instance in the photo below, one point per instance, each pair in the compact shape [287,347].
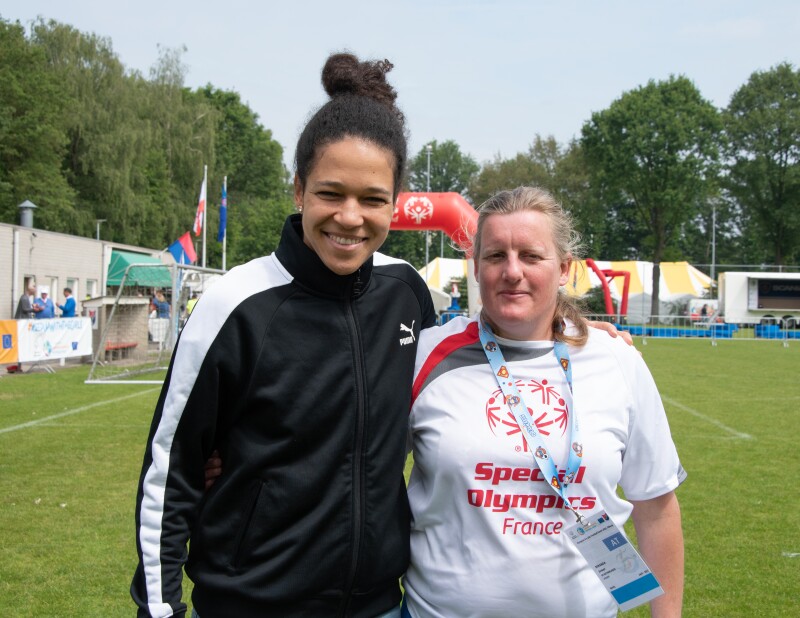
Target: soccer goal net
[139,323]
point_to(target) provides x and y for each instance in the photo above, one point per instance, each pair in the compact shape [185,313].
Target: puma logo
[407,329]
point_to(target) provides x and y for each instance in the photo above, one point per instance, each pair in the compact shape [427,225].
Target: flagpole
[205,210]
[225,235]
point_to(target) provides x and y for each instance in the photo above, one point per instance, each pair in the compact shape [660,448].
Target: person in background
[68,308]
[26,307]
[161,305]
[488,534]
[191,303]
[46,308]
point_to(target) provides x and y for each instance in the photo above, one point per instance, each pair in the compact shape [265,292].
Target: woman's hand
[212,469]
[612,330]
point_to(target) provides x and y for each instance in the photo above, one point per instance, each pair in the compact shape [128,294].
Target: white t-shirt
[487,535]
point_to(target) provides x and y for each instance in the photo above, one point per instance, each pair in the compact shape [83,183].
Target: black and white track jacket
[302,379]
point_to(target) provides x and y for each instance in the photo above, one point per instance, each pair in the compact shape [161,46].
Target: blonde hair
[567,242]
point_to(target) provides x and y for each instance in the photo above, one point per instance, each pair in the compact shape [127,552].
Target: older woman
[489,522]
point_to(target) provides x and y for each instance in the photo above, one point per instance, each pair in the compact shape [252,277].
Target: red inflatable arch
[448,212]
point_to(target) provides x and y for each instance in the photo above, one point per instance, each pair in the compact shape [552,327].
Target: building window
[91,288]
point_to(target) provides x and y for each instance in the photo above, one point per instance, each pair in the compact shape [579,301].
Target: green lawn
[67,485]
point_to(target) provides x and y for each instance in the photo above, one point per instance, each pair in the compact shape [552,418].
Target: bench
[119,349]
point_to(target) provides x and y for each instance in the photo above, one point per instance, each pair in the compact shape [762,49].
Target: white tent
[679,282]
[440,271]
[438,275]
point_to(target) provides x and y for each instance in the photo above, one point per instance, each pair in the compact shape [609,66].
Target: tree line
[85,139]
[663,175]
[654,176]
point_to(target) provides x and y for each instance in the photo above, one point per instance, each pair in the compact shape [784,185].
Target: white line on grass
[790,554]
[708,419]
[39,421]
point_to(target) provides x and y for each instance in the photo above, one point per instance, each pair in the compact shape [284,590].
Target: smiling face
[519,271]
[347,203]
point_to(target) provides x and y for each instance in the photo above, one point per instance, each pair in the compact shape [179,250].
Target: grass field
[71,455]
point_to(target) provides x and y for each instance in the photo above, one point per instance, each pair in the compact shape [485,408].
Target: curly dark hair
[362,105]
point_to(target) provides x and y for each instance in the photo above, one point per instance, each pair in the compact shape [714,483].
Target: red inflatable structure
[606,275]
[448,212]
[452,214]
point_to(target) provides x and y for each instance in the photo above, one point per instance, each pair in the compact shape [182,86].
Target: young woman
[489,526]
[297,367]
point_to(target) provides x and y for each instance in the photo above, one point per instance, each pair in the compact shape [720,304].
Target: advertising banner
[8,348]
[41,340]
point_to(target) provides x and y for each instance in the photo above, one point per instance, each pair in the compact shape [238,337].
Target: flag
[223,213]
[183,250]
[201,208]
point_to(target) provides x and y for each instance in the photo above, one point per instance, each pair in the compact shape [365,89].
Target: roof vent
[26,213]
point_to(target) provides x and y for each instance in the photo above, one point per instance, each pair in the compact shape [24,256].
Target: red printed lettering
[486,471]
[548,501]
[475,497]
[483,471]
[513,526]
[521,474]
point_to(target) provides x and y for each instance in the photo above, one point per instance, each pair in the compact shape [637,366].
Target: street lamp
[713,244]
[429,148]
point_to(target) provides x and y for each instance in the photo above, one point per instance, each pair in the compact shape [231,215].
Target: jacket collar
[309,271]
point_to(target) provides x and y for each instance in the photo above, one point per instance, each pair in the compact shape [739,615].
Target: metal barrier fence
[446,316]
[712,328]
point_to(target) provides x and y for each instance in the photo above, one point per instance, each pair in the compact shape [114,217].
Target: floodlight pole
[428,148]
[713,244]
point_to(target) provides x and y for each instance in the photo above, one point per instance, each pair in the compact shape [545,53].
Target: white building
[58,261]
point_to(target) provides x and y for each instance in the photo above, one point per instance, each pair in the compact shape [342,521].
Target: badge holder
[614,560]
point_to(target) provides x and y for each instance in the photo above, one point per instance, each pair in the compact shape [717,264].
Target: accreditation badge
[614,560]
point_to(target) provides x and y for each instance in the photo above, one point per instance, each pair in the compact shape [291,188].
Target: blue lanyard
[519,409]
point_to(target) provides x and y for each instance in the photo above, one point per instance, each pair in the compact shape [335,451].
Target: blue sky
[489,75]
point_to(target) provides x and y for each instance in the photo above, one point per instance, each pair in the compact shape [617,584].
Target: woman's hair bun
[344,74]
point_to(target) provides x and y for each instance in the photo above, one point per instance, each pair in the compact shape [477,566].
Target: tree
[451,170]
[136,148]
[182,127]
[33,112]
[84,139]
[409,246]
[762,126]
[101,141]
[254,226]
[559,169]
[259,195]
[502,174]
[657,149]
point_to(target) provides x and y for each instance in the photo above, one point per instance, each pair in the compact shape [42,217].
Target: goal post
[134,332]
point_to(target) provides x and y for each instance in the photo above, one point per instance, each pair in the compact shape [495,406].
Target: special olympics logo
[418,209]
[550,412]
